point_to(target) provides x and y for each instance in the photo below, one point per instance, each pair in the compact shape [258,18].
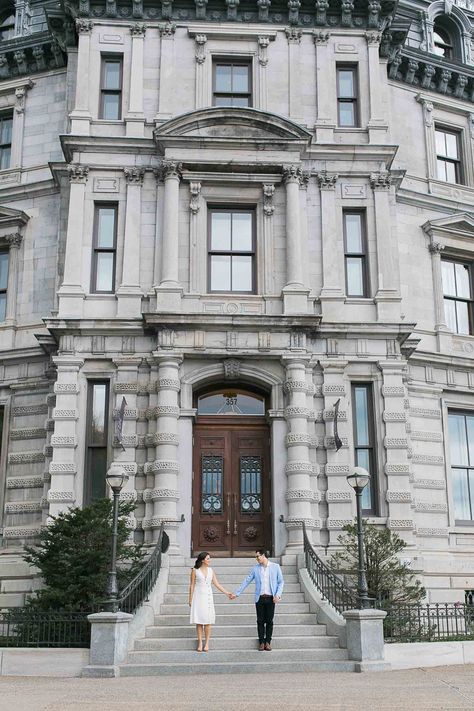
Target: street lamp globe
[116,478]
[359,478]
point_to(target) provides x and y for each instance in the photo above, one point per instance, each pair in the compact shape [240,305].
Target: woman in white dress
[201,600]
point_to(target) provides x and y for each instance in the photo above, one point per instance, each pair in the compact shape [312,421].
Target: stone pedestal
[109,643]
[365,643]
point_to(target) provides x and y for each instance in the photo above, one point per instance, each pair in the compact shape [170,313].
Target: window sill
[350,129]
[359,300]
[463,527]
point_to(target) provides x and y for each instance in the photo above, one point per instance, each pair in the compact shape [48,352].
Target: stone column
[71,293]
[441,328]
[268,246]
[299,495]
[396,448]
[81,115]
[167,80]
[325,76]
[14,242]
[195,257]
[202,94]
[65,490]
[332,293]
[339,495]
[135,118]
[168,294]
[165,494]
[377,125]
[295,294]
[293,35]
[149,472]
[19,124]
[387,296]
[315,535]
[129,293]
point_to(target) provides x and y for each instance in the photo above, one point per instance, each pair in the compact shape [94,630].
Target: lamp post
[358,480]
[116,478]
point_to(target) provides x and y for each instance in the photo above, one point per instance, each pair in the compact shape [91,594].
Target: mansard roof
[232,126]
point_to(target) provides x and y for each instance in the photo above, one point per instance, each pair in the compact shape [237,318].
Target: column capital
[167,30]
[381,180]
[373,38]
[13,240]
[78,173]
[171,169]
[435,247]
[134,176]
[327,181]
[138,29]
[293,35]
[321,37]
[84,27]
[292,174]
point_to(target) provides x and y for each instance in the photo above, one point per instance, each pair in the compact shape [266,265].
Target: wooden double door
[231,488]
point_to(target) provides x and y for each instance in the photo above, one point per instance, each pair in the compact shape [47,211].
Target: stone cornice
[30,54]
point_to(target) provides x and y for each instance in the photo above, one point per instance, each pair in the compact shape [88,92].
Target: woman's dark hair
[200,559]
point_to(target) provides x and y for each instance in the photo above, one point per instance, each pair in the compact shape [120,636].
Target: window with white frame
[364,441]
[461,448]
[232,82]
[4,263]
[97,433]
[105,248]
[231,261]
[457,293]
[6,125]
[448,155]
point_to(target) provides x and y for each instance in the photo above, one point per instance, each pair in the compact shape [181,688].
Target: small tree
[73,556]
[389,580]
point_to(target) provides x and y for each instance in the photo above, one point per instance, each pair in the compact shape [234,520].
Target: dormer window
[7,26]
[446,38]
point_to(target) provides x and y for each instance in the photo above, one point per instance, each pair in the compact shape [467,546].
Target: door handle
[235,514]
[228,515]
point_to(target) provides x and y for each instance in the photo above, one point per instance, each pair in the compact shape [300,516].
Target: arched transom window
[231,401]
[446,41]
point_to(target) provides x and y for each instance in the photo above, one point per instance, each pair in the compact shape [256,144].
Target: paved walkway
[437,688]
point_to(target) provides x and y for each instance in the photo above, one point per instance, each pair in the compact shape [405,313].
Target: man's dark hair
[261,551]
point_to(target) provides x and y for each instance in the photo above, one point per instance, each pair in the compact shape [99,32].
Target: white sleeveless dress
[202,604]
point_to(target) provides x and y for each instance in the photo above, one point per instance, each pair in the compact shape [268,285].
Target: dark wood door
[231,489]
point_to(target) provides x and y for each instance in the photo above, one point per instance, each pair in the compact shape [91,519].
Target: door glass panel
[250,484]
[212,472]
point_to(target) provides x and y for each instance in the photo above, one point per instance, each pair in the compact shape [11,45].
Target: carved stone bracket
[166,9]
[321,12]
[200,9]
[134,176]
[427,110]
[263,42]
[232,6]
[195,191]
[78,173]
[347,8]
[263,7]
[293,11]
[374,7]
[171,169]
[200,41]
[373,38]
[304,179]
[268,193]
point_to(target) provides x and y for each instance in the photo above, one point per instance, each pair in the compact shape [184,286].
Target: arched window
[231,401]
[446,42]
[7,25]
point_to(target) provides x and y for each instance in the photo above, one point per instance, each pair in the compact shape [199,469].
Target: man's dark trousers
[265,612]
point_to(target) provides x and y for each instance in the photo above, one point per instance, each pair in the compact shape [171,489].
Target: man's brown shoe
[268,647]
[261,647]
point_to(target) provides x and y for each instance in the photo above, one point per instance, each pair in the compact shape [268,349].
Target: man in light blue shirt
[268,589]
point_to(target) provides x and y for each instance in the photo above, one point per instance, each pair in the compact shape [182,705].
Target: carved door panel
[231,490]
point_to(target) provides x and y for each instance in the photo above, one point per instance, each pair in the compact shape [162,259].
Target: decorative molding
[23,507]
[28,433]
[428,459]
[63,441]
[429,484]
[425,413]
[32,482]
[195,191]
[298,468]
[168,384]
[61,497]
[268,193]
[66,388]
[397,469]
[336,469]
[395,443]
[297,412]
[293,522]
[162,465]
[401,524]
[430,507]
[423,436]
[263,42]
[294,439]
[393,390]
[338,496]
[302,495]
[62,468]
[28,410]
[21,532]
[333,390]
[398,497]
[295,386]
[433,532]
[232,369]
[164,495]
[26,457]
[394,416]
[338,523]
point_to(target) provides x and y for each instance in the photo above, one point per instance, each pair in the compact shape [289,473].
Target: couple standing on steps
[268,589]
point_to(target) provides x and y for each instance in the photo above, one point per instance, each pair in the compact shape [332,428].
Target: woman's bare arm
[219,586]
[192,583]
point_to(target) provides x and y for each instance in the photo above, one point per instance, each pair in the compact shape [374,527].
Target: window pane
[220,273]
[221,231]
[457,440]
[471,491]
[355,276]
[362,416]
[98,470]
[223,77]
[462,313]
[240,76]
[6,136]
[105,271]
[223,101]
[452,150]
[463,282]
[440,143]
[231,402]
[241,273]
[242,231]
[470,438]
[441,170]
[353,225]
[111,107]
[5,158]
[462,509]
[3,270]
[98,410]
[3,306]
[240,101]
[346,83]
[363,460]
[346,114]
[448,276]
[450,314]
[106,227]
[450,169]
[112,75]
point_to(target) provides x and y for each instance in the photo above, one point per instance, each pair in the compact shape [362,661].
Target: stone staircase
[299,643]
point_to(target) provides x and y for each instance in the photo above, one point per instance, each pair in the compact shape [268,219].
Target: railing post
[365,639]
[109,643]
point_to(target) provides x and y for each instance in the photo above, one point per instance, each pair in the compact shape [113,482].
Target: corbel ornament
[263,42]
[167,30]
[347,8]
[322,7]
[293,11]
[137,8]
[232,6]
[263,7]
[200,41]
[195,191]
[304,179]
[374,7]
[268,193]
[200,9]
[78,173]
[435,247]
[321,37]
[373,38]
[166,9]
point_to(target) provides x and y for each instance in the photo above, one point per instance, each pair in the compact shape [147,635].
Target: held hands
[231,596]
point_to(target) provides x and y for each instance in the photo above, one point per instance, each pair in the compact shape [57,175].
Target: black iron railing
[431,622]
[138,589]
[21,627]
[329,585]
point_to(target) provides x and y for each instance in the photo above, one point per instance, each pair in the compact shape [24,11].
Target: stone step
[266,663]
[221,562]
[224,578]
[289,588]
[230,570]
[232,656]
[236,607]
[180,598]
[229,643]
[166,631]
[301,618]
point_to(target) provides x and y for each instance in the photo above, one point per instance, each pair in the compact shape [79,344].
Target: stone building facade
[223,218]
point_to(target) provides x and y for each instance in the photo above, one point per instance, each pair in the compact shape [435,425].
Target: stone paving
[440,688]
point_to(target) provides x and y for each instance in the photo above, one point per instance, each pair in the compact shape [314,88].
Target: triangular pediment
[12,218]
[232,125]
[460,224]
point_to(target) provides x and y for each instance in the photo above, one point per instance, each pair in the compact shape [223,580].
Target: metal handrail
[428,622]
[339,595]
[138,589]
